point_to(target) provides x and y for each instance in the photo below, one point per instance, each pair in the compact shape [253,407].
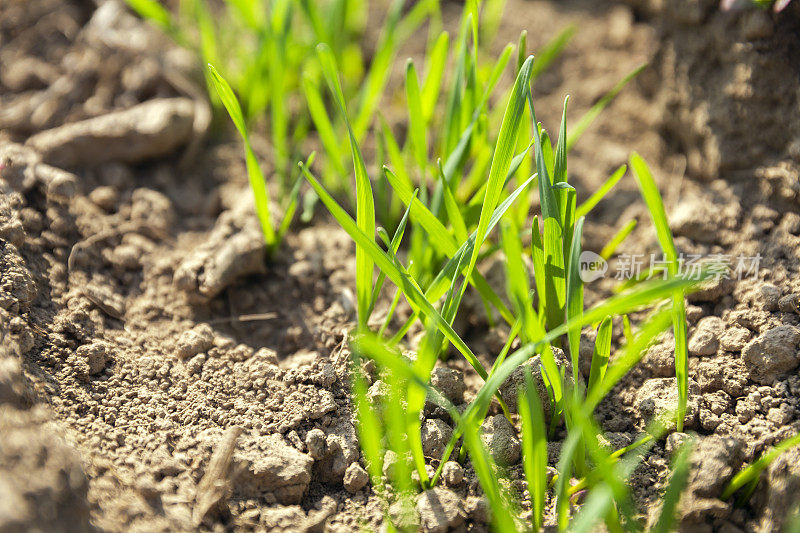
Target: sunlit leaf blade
[416,120]
[365,203]
[611,247]
[751,473]
[435,72]
[370,431]
[153,11]
[575,296]
[677,483]
[586,120]
[601,354]
[398,277]
[601,192]
[504,151]
[257,182]
[552,50]
[534,448]
[319,115]
[655,206]
[560,172]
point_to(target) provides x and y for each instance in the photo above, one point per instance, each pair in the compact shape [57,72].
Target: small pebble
[453,474]
[104,197]
[435,436]
[355,478]
[198,339]
[316,443]
[450,383]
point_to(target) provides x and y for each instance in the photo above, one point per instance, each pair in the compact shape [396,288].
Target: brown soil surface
[142,332]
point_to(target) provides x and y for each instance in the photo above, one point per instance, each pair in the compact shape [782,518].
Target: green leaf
[324,127]
[554,274]
[600,193]
[609,249]
[416,120]
[444,241]
[393,246]
[451,207]
[257,182]
[504,151]
[517,275]
[574,305]
[365,203]
[482,463]
[667,520]
[597,506]
[370,430]
[655,205]
[534,448]
[648,293]
[437,58]
[398,276]
[550,52]
[586,120]
[153,11]
[601,354]
[751,473]
[560,172]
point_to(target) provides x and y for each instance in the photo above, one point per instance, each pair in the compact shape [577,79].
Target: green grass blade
[398,277]
[455,156]
[597,506]
[569,449]
[517,283]
[560,171]
[502,514]
[627,330]
[677,483]
[550,52]
[522,49]
[546,195]
[751,473]
[451,207]
[365,203]
[416,120]
[601,192]
[370,430]
[257,182]
[444,241]
[324,127]
[393,31]
[292,205]
[574,305]
[393,246]
[655,205]
[555,276]
[534,448]
[635,299]
[601,354]
[435,72]
[504,151]
[611,247]
[395,156]
[537,254]
[565,193]
[631,354]
[153,11]
[586,120]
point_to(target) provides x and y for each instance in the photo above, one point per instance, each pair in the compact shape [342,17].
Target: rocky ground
[157,374]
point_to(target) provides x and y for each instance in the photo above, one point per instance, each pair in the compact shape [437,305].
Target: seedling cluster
[457,188]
